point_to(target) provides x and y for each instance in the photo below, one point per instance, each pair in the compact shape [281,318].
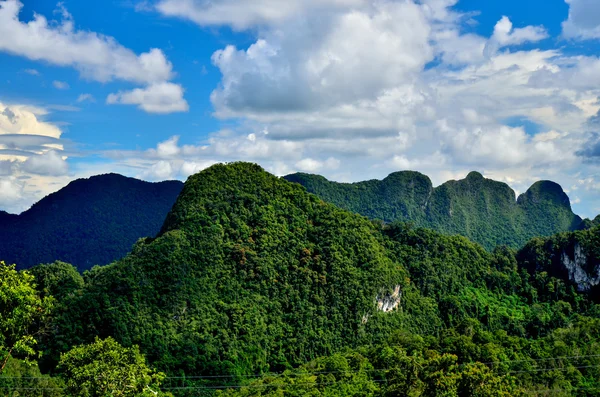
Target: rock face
[573,257]
[576,268]
[481,209]
[389,302]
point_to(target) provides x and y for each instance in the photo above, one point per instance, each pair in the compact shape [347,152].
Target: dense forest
[485,211]
[255,287]
[89,222]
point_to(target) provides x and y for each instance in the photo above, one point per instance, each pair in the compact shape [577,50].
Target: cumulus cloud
[311,64]
[312,165]
[50,163]
[358,82]
[95,56]
[11,192]
[505,34]
[583,21]
[159,98]
[244,14]
[355,89]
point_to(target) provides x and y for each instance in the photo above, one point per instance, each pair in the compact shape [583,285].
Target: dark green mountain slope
[481,209]
[251,274]
[90,221]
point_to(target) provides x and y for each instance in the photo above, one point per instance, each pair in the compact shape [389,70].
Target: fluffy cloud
[32,156]
[159,98]
[505,35]
[95,56]
[23,133]
[386,85]
[50,163]
[11,192]
[245,14]
[584,19]
[311,165]
[334,59]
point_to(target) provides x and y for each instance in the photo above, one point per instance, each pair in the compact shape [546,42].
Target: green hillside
[481,209]
[89,222]
[254,287]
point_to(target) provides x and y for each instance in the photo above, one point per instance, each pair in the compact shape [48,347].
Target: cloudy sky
[350,89]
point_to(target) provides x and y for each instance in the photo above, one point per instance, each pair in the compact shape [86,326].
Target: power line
[275,374]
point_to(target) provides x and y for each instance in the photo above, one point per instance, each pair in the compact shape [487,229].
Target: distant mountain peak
[474,175]
[91,221]
[482,209]
[545,191]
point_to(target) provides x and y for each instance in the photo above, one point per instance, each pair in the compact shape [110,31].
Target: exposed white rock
[577,274]
[389,302]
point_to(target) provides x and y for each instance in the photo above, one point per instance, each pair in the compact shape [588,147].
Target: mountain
[250,275]
[481,209]
[574,257]
[89,222]
[589,223]
[248,272]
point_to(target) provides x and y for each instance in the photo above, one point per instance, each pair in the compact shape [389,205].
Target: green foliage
[563,255]
[384,371]
[105,368]
[57,279]
[24,379]
[262,278]
[22,313]
[89,222]
[481,209]
[256,286]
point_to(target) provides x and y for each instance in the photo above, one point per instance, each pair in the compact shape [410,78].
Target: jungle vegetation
[255,287]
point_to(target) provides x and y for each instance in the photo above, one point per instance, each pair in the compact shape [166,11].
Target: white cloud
[241,14]
[11,192]
[355,89]
[21,119]
[159,98]
[60,85]
[584,19]
[505,35]
[50,163]
[95,56]
[315,64]
[86,98]
[312,165]
[160,170]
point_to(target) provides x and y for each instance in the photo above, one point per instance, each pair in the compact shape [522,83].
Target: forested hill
[89,222]
[481,209]
[250,275]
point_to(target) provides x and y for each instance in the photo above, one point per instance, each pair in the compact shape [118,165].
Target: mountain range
[484,210]
[89,222]
[253,283]
[97,220]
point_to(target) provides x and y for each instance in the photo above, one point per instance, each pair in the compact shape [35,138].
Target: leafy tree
[24,379]
[22,314]
[105,368]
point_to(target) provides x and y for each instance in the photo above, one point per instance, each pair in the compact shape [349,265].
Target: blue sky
[351,89]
